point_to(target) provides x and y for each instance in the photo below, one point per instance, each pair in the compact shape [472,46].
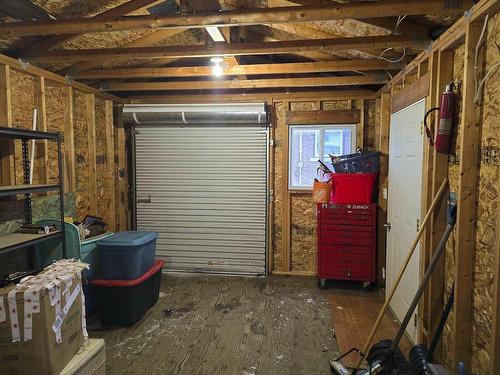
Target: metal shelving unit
[16,241]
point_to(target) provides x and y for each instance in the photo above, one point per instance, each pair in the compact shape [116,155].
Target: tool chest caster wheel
[322,284]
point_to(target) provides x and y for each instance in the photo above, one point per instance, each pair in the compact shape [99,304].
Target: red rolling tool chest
[346,242]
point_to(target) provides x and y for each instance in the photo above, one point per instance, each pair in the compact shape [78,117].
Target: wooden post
[122,190]
[90,112]
[385,120]
[7,176]
[383,147]
[69,139]
[438,220]
[42,150]
[361,125]
[285,203]
[467,201]
[110,160]
[495,318]
[427,191]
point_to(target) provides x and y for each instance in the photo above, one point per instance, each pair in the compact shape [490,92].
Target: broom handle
[433,205]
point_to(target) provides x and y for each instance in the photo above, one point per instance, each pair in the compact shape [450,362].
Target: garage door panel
[204,190]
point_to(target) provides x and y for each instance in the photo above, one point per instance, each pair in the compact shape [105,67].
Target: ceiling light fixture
[217,68]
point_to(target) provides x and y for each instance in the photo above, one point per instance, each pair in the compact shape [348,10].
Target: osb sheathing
[302,208]
[488,197]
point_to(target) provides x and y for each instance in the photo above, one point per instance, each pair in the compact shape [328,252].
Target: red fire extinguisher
[447,109]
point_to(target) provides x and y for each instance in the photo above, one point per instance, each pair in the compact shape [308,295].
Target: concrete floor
[228,325]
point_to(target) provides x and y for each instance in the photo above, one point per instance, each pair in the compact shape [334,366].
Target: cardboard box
[50,325]
[90,359]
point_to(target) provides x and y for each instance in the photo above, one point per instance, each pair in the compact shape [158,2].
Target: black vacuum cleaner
[385,357]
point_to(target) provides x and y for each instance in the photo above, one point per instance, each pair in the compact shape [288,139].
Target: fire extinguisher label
[445,125]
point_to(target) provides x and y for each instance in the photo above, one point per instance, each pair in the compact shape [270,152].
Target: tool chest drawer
[346,242]
[347,214]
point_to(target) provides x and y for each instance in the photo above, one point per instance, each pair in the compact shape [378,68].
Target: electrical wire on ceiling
[398,22]
[479,85]
[381,56]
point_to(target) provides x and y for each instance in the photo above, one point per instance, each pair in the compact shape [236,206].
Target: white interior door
[404,203]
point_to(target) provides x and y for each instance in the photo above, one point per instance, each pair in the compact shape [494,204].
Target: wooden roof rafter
[383,8]
[251,69]
[56,40]
[234,49]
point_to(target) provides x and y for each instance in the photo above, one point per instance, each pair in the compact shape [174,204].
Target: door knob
[387,226]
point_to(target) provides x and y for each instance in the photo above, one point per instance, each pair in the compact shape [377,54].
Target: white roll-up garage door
[203,188]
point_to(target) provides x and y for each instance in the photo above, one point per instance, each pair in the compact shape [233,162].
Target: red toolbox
[346,242]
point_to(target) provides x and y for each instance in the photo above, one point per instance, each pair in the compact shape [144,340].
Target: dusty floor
[228,325]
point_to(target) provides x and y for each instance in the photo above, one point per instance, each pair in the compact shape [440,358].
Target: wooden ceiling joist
[255,96]
[256,69]
[234,49]
[248,84]
[358,10]
[56,40]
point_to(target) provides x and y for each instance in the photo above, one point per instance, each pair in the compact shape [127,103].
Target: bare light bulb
[217,70]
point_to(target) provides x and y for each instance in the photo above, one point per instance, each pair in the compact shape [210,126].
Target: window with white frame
[310,143]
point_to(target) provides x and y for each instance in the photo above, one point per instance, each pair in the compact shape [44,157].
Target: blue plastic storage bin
[126,255]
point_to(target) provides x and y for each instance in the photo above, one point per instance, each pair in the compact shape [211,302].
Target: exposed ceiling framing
[283,44]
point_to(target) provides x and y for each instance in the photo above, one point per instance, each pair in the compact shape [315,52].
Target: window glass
[309,143]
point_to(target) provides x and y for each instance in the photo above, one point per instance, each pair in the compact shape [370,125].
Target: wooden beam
[467,200]
[143,41]
[426,307]
[385,121]
[384,8]
[91,134]
[495,317]
[286,261]
[438,218]
[110,162]
[234,49]
[260,69]
[122,190]
[42,147]
[69,139]
[360,127]
[35,71]
[7,176]
[245,84]
[305,31]
[56,40]
[345,116]
[252,96]
[411,94]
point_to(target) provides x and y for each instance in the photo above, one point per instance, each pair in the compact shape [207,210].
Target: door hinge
[418,225]
[383,273]
[415,320]
[271,142]
[422,127]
